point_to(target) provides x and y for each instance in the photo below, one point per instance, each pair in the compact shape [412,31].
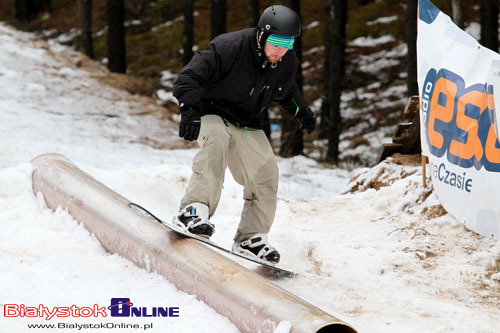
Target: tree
[188,32]
[142,7]
[253,13]
[411,40]
[292,142]
[336,24]
[325,123]
[23,12]
[27,10]
[116,36]
[458,13]
[85,13]
[489,24]
[253,21]
[45,5]
[218,13]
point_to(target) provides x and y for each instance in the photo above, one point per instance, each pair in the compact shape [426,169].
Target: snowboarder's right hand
[189,127]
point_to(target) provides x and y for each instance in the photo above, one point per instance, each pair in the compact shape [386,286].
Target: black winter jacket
[229,79]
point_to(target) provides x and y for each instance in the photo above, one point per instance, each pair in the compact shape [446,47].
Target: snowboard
[144,212]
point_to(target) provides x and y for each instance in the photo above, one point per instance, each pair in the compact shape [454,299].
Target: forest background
[358,56]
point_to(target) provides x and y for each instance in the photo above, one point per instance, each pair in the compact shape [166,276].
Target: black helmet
[280,20]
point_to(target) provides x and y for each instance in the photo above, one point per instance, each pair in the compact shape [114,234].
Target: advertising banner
[458,79]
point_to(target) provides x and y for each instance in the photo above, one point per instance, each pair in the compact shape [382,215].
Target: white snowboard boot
[194,219]
[257,247]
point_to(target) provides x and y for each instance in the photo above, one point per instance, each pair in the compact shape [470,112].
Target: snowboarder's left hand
[307,119]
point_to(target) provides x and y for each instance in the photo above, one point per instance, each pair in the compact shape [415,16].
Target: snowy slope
[377,252]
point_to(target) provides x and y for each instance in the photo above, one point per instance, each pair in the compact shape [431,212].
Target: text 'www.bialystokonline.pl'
[76,326]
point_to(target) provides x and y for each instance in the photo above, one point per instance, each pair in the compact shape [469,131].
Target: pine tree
[411,40]
[253,13]
[489,24]
[218,13]
[116,36]
[292,141]
[86,24]
[188,32]
[458,13]
[337,20]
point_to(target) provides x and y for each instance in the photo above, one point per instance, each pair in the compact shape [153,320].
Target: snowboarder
[222,93]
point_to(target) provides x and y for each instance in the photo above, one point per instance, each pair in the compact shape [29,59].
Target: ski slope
[375,252]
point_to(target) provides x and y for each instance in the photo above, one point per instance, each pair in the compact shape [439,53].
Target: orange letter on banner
[473,146]
[437,111]
[491,106]
[492,152]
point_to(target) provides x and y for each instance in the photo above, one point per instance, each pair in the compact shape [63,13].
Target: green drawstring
[261,90]
[245,134]
[297,108]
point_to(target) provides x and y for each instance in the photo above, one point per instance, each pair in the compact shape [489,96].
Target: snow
[312,25]
[474,29]
[378,61]
[167,81]
[383,20]
[374,251]
[371,42]
[164,95]
[170,23]
[132,23]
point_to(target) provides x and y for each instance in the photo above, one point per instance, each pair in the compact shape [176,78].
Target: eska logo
[460,121]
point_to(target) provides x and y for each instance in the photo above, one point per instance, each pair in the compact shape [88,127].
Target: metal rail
[251,302]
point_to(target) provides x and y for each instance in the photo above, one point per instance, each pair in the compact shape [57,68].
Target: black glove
[306,119]
[189,127]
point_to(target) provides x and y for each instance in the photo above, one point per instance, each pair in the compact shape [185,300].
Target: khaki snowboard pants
[252,163]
